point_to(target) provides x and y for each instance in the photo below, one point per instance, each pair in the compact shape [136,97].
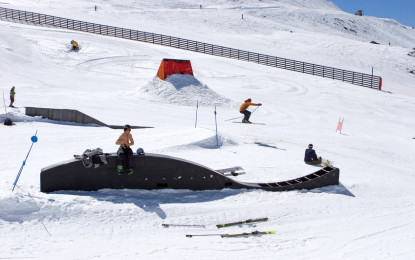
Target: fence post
[371,79]
[380,83]
[362,80]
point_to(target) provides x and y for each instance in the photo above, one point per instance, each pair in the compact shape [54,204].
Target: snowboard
[235,171]
[326,162]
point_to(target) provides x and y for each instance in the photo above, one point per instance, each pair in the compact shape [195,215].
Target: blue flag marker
[197,106]
[216,123]
[34,140]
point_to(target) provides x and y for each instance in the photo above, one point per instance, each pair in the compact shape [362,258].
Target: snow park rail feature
[352,77]
[156,171]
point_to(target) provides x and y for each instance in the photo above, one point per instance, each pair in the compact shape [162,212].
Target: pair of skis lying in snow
[253,233]
[248,221]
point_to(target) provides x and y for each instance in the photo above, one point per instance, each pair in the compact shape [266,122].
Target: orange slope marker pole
[340,125]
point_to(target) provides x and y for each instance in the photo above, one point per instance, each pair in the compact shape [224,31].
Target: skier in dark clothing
[310,156]
[125,154]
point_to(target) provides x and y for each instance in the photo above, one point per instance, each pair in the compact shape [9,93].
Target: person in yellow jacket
[244,110]
[75,46]
[125,154]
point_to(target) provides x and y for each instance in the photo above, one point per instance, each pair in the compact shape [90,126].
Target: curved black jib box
[155,171]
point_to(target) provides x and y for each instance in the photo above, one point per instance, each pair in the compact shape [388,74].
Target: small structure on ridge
[173,66]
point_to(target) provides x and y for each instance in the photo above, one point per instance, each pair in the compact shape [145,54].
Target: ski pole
[4,102]
[197,106]
[182,225]
[255,109]
[34,140]
[204,235]
[233,118]
[217,142]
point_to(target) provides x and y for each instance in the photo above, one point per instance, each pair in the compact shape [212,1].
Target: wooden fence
[356,78]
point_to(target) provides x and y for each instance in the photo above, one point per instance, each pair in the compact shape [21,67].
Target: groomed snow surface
[370,215]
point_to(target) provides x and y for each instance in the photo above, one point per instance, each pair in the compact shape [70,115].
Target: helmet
[310,146]
[140,151]
[72,41]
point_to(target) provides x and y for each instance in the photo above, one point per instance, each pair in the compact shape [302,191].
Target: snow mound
[18,209]
[17,115]
[184,90]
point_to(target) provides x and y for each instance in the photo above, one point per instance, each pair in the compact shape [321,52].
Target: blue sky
[402,11]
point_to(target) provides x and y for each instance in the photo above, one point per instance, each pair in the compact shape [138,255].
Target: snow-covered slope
[261,18]
[369,215]
[300,30]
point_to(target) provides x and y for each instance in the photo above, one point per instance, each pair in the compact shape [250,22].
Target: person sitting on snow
[243,110]
[75,46]
[310,156]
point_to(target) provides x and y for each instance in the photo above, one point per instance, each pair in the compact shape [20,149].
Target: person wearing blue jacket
[310,156]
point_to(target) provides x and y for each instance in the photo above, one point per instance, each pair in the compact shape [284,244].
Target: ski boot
[120,170]
[130,171]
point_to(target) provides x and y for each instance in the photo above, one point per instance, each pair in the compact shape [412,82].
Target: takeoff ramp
[70,115]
